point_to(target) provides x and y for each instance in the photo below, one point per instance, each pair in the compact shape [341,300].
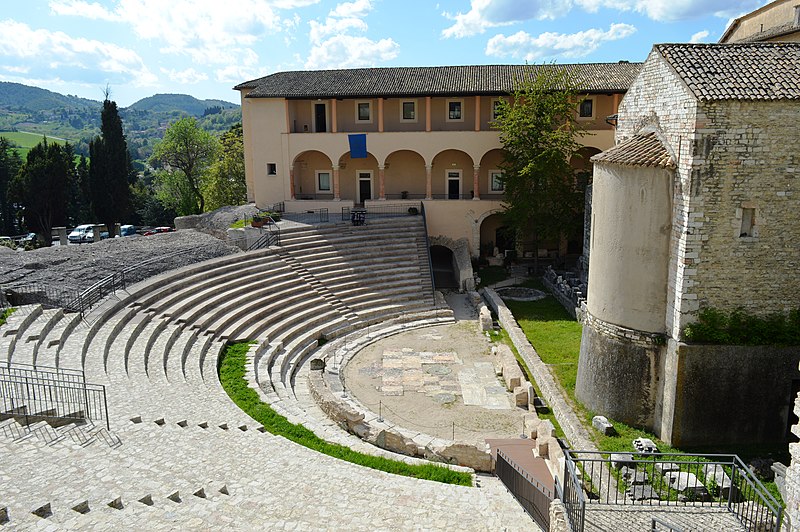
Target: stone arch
[451,161]
[490,161]
[305,166]
[462,266]
[494,234]
[405,172]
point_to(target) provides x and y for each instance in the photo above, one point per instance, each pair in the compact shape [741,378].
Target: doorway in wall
[364,186]
[454,184]
[320,122]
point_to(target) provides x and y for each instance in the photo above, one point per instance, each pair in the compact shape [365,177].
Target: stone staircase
[179,452]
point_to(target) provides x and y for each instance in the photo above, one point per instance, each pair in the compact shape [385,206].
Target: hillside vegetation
[41,112]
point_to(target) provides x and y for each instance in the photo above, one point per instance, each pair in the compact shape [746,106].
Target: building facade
[696,208]
[428,137]
[778,21]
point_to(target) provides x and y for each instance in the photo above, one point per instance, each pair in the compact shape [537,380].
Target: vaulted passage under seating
[443,263]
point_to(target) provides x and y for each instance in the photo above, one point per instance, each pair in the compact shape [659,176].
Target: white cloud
[522,45]
[57,49]
[186,77]
[698,37]
[16,69]
[344,51]
[334,46]
[80,8]
[486,14]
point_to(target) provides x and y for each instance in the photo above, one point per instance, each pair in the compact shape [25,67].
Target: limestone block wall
[791,494]
[746,158]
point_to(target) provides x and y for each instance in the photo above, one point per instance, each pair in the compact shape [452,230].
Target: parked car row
[85,233]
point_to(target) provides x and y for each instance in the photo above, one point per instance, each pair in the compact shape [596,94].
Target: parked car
[78,234]
[127,230]
[157,230]
[29,238]
[89,236]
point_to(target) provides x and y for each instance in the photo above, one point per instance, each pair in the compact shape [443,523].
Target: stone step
[52,343]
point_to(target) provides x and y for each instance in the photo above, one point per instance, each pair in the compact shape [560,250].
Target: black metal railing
[321,196]
[572,496]
[533,496]
[663,479]
[382,211]
[37,393]
[271,237]
[310,216]
[428,251]
[404,196]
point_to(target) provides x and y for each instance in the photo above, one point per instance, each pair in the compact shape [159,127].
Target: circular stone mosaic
[518,293]
[444,398]
[437,369]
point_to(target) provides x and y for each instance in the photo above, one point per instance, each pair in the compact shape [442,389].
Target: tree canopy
[41,186]
[110,170]
[185,153]
[10,163]
[539,132]
[226,183]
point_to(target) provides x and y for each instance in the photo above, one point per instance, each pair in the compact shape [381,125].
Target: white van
[79,234]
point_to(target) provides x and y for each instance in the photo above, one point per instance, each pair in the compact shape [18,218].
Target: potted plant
[258,221]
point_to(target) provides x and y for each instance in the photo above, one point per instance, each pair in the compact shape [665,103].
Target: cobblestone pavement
[616,518]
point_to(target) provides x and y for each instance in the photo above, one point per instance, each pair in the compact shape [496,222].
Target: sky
[138,48]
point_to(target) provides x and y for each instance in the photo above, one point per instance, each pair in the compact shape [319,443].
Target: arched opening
[443,264]
[313,175]
[405,175]
[496,237]
[451,175]
[358,178]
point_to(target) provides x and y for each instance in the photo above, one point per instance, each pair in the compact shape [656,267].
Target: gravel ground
[76,267]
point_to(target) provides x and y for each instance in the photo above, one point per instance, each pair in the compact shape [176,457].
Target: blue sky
[205,47]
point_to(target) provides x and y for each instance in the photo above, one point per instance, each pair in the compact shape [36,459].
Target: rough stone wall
[659,100]
[746,157]
[718,394]
[463,264]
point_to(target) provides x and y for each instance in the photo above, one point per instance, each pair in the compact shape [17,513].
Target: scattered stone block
[542,446]
[546,429]
[642,493]
[645,445]
[620,460]
[485,319]
[531,393]
[602,424]
[721,479]
[531,422]
[467,455]
[392,441]
[681,480]
[666,467]
[633,477]
[520,396]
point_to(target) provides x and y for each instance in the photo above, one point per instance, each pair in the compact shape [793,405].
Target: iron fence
[572,495]
[58,396]
[664,479]
[534,497]
[310,216]
[428,251]
[383,211]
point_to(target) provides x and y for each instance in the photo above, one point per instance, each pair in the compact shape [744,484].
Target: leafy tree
[10,163]
[41,187]
[110,170]
[79,207]
[539,132]
[185,153]
[226,183]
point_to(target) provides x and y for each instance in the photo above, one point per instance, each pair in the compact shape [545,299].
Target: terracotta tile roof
[431,81]
[745,71]
[640,150]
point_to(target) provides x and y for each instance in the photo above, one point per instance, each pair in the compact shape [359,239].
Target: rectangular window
[496,181]
[454,111]
[408,111]
[323,181]
[364,111]
[495,108]
[272,169]
[586,108]
[748,223]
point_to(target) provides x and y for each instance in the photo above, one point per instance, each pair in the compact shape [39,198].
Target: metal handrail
[428,250]
[655,522]
[533,496]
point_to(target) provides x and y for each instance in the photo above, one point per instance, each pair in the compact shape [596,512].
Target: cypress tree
[110,170]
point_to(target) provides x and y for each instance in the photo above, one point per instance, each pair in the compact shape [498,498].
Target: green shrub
[737,328]
[5,314]
[231,373]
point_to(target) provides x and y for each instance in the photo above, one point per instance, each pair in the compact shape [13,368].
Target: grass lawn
[231,373]
[23,139]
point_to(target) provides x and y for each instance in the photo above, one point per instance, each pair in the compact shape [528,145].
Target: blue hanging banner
[358,146]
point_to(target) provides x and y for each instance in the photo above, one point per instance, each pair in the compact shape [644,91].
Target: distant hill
[18,97]
[43,112]
[165,103]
